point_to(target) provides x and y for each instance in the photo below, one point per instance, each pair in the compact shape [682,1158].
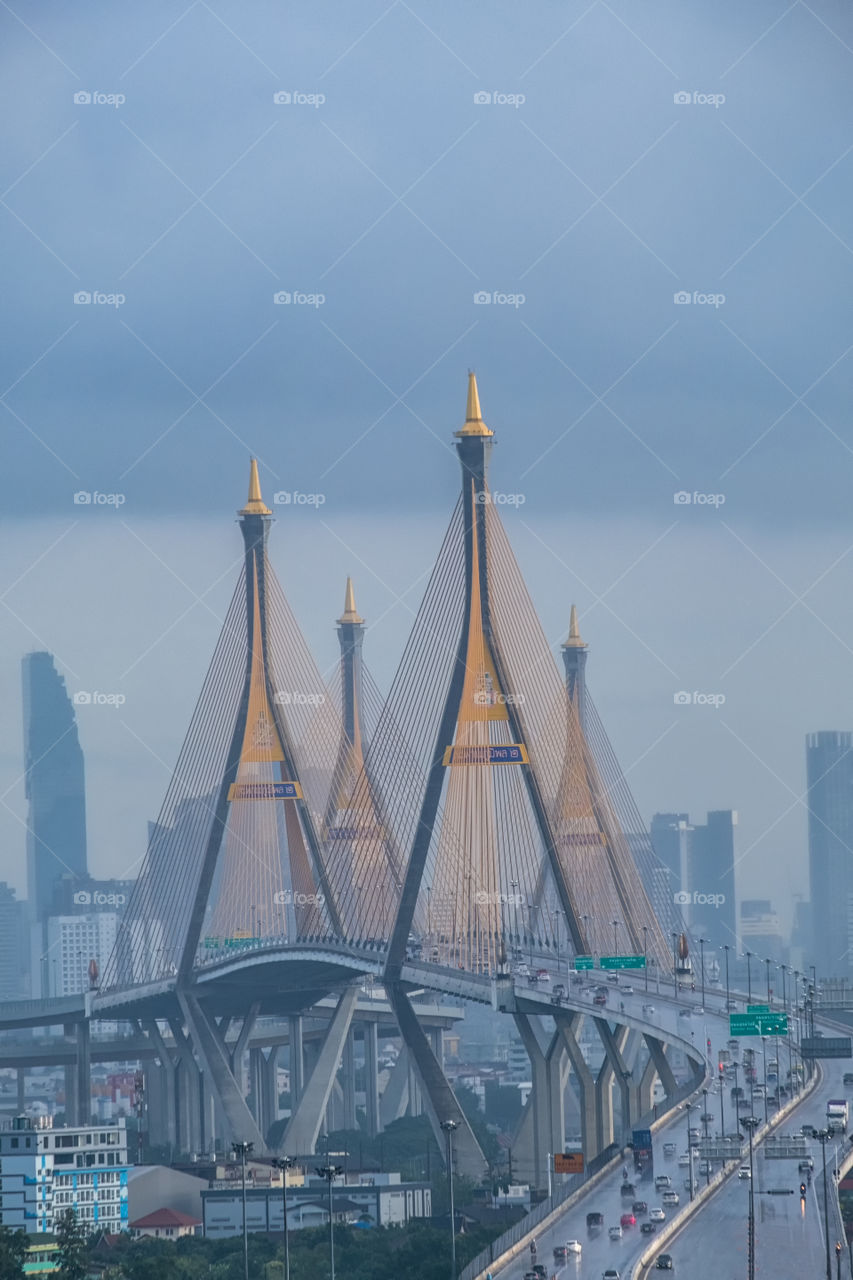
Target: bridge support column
[188,1093]
[663,1070]
[306,1117]
[645,1089]
[21,1077]
[395,1096]
[542,1128]
[262,1071]
[371,1078]
[568,1026]
[165,1130]
[296,1060]
[348,1081]
[213,1060]
[614,1068]
[439,1099]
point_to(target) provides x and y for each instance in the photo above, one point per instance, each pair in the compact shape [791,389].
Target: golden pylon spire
[574,641]
[474,424]
[350,613]
[255,505]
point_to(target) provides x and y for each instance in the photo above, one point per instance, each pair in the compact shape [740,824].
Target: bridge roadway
[789,1240]
[598,1251]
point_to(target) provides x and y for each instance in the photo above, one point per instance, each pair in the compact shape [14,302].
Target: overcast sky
[382,199]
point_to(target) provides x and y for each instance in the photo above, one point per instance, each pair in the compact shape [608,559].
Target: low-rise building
[165,1224]
[45,1171]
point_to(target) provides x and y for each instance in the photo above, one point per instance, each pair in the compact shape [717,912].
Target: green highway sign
[623,962]
[758,1008]
[758,1024]
[584,962]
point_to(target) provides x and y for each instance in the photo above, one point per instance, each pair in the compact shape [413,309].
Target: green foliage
[13,1246]
[71,1237]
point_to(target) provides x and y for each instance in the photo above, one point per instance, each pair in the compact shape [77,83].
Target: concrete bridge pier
[614,1070]
[21,1079]
[439,1100]
[78,1098]
[568,1028]
[162,1102]
[395,1096]
[216,1063]
[262,1075]
[296,1060]
[371,1078]
[663,1071]
[306,1117]
[542,1127]
[187,1093]
[347,1079]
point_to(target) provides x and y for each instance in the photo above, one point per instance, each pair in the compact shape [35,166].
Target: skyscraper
[55,783]
[711,878]
[13,949]
[829,774]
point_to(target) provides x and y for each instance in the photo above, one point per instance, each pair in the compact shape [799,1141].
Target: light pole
[750,1123]
[243,1149]
[448,1126]
[722,1113]
[330,1172]
[702,942]
[513,884]
[769,997]
[646,953]
[283,1163]
[749,976]
[764,1056]
[688,1107]
[674,937]
[727,948]
[823,1136]
[705,1131]
[616,937]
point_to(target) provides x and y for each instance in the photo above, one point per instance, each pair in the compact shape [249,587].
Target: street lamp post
[283,1163]
[722,1113]
[616,937]
[688,1107]
[764,1056]
[750,1124]
[749,976]
[646,953]
[705,1135]
[448,1126]
[243,1149]
[727,948]
[702,942]
[330,1172]
[823,1136]
[674,937]
[769,996]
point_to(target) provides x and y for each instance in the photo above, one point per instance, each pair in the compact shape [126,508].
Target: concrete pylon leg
[72,1114]
[235,1053]
[543,1119]
[84,1074]
[21,1077]
[187,1092]
[214,1061]
[348,1081]
[169,1136]
[658,1056]
[416,1102]
[395,1096]
[296,1062]
[439,1099]
[645,1089]
[614,1045]
[371,1078]
[307,1116]
[567,1028]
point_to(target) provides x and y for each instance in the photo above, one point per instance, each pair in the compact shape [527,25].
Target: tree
[13,1247]
[71,1236]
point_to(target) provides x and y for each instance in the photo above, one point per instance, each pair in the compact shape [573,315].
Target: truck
[641,1141]
[836,1115]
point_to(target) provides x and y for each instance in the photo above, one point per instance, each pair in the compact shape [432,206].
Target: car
[627,991]
[808,1131]
[669,1148]
[648,1228]
[574,1246]
[684,1013]
[662,1180]
[694,1136]
[639,1206]
[706,1117]
[560,1253]
[743,1172]
[559,989]
[599,998]
[627,1189]
[628,1220]
[542,975]
[530,1275]
[806,1166]
[848,1077]
[705,1166]
[615,1233]
[657,1214]
[664,1262]
[539,1269]
[610,1274]
[648,1008]
[684,1161]
[594,1221]
[670,1199]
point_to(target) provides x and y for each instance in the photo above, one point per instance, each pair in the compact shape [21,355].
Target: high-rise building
[72,943]
[55,783]
[13,948]
[670,834]
[701,863]
[829,774]
[760,931]
[45,1171]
